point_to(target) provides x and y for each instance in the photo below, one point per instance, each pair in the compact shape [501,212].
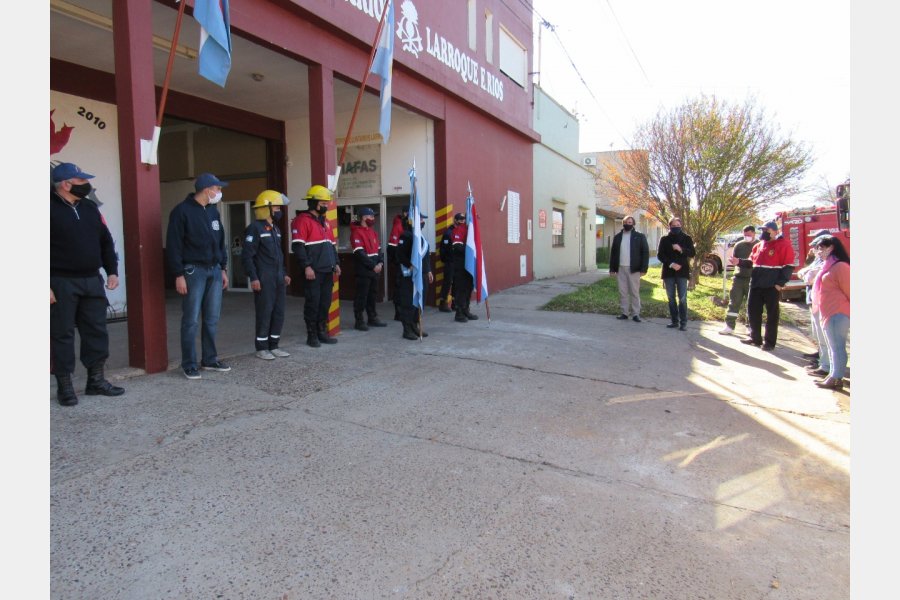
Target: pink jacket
[834,295]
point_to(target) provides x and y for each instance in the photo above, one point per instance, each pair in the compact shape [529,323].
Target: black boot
[322,334]
[374,321]
[312,335]
[442,306]
[65,393]
[417,328]
[408,332]
[360,322]
[97,385]
[461,316]
[469,315]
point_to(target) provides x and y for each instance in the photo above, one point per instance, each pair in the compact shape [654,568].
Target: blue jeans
[836,329]
[678,311]
[204,293]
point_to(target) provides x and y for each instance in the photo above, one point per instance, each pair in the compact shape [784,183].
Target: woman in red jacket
[831,294]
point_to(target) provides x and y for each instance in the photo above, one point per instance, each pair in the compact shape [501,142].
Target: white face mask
[215,198]
[749,238]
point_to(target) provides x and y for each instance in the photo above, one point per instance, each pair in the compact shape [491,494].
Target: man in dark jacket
[369,264]
[629,266]
[80,244]
[772,262]
[446,254]
[675,252]
[740,284]
[314,246]
[195,248]
[409,312]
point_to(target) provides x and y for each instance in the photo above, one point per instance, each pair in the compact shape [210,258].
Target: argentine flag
[383,66]
[215,39]
[474,257]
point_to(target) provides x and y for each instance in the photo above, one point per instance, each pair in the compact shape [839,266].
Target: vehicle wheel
[709,267]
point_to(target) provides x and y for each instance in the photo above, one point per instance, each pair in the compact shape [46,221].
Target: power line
[627,41]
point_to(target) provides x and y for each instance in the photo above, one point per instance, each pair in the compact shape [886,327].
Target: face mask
[276,215]
[321,209]
[369,221]
[215,198]
[627,226]
[80,190]
[765,236]
[675,230]
[749,238]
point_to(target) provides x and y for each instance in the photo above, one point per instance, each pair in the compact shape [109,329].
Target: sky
[639,57]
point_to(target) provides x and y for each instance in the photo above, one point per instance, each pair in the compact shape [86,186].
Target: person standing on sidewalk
[195,248]
[740,283]
[409,313]
[831,293]
[80,244]
[772,263]
[393,240]
[314,246]
[369,265]
[447,258]
[263,258]
[462,279]
[629,266]
[675,252]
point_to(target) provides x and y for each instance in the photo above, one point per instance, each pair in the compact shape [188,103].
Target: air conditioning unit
[589,161]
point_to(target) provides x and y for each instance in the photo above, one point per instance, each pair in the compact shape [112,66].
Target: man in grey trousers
[629,259]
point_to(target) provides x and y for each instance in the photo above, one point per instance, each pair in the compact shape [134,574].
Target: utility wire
[627,41]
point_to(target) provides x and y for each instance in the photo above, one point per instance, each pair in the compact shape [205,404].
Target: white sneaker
[727,331]
[278,352]
[265,355]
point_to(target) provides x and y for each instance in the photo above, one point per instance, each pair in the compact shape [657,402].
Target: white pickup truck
[713,262]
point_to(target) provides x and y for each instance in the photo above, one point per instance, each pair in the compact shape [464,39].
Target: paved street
[538,455]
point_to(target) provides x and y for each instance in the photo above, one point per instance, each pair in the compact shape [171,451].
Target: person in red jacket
[393,239]
[772,263]
[369,264]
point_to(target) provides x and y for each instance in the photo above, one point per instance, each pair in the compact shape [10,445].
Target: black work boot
[97,385]
[469,315]
[322,334]
[373,320]
[417,328]
[65,393]
[461,316]
[409,332]
[312,335]
[360,322]
[443,306]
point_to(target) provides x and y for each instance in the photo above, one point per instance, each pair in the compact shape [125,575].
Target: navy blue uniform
[263,258]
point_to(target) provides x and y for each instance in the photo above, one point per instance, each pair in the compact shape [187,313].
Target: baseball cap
[367,212]
[205,180]
[459,217]
[819,238]
[64,171]
[770,225]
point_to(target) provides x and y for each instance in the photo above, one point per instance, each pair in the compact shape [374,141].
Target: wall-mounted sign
[542,219]
[361,172]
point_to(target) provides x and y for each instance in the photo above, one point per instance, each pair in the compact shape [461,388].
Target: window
[473,29]
[513,57]
[489,36]
[559,228]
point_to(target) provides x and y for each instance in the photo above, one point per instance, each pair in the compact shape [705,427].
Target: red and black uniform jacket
[458,243]
[394,238]
[312,242]
[772,262]
[366,249]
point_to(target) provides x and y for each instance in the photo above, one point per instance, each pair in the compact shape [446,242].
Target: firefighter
[263,259]
[393,239]
[462,279]
[369,265]
[444,305]
[314,246]
[409,313]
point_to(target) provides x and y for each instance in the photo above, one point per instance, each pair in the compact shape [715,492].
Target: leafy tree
[714,165]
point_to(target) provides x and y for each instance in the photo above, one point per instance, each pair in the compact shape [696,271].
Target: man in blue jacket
[195,249]
[629,265]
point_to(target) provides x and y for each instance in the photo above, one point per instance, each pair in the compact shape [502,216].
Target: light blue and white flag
[215,39]
[383,65]
[419,244]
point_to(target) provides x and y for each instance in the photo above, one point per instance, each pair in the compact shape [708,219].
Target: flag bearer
[462,279]
[263,258]
[409,313]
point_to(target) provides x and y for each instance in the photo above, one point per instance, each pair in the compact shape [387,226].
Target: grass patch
[602,297]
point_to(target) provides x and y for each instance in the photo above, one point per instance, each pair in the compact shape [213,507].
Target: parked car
[712,263]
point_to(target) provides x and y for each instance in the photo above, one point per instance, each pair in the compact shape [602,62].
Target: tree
[714,165]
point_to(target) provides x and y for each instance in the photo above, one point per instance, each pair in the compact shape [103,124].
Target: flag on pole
[419,245]
[215,39]
[383,66]
[474,256]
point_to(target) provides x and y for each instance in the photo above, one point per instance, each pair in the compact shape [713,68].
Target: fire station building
[461,113]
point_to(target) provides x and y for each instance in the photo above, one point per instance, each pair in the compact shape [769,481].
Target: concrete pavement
[538,455]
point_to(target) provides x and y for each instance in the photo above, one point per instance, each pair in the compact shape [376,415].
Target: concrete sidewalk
[538,455]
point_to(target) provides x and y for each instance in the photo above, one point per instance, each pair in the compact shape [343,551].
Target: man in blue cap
[80,244]
[369,265]
[195,249]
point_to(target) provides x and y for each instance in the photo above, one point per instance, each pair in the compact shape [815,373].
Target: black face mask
[276,215]
[765,236]
[321,210]
[627,226]
[80,190]
[675,230]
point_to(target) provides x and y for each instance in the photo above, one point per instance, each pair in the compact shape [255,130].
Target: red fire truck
[800,226]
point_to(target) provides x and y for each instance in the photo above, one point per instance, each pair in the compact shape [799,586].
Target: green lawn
[602,297]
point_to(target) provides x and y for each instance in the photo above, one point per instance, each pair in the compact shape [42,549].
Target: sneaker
[278,352]
[727,331]
[622,317]
[216,366]
[192,373]
[265,355]
[636,319]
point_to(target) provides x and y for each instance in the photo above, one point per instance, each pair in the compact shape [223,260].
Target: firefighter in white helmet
[263,257]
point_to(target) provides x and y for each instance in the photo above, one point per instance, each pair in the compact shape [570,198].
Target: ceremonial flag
[383,65]
[215,39]
[419,244]
[474,256]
